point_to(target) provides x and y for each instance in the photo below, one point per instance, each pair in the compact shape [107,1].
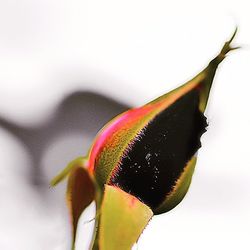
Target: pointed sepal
[80,161]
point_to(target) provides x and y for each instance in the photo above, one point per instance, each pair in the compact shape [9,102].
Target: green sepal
[81,190]
[179,190]
[122,220]
[80,161]
[203,81]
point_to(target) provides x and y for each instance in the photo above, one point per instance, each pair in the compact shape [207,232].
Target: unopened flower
[141,163]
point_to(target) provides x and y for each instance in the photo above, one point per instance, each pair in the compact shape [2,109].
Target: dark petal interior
[159,154]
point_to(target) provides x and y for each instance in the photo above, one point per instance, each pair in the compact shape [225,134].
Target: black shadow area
[81,113]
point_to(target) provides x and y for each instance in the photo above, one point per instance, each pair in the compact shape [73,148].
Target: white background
[131,51]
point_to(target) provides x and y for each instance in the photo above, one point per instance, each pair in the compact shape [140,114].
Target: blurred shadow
[83,113]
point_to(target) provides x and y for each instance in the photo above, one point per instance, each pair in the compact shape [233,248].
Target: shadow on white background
[67,67]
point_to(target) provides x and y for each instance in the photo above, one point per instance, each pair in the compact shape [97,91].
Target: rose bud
[141,163]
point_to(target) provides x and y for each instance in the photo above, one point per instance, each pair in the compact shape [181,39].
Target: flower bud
[143,159]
